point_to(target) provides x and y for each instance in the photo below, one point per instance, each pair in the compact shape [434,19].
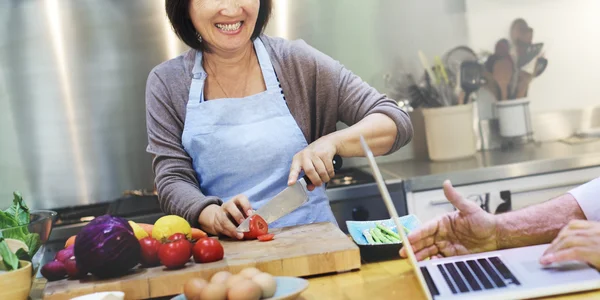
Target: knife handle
[337,165]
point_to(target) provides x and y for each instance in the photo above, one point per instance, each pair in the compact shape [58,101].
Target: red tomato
[265,237]
[258,226]
[177,236]
[175,254]
[207,250]
[150,249]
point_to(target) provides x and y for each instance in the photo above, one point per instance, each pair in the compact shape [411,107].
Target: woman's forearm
[378,130]
[537,224]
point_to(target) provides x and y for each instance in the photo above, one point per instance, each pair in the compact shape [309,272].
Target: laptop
[503,274]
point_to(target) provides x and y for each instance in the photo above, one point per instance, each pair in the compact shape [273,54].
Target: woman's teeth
[229,27]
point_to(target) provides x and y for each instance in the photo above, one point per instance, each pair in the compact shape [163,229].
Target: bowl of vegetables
[23,233]
[15,284]
[379,240]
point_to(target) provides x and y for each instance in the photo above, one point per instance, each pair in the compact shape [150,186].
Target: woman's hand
[317,162]
[579,240]
[224,219]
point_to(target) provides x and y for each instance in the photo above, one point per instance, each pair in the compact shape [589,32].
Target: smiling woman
[241,116]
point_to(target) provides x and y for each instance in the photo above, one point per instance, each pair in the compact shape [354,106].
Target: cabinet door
[525,191]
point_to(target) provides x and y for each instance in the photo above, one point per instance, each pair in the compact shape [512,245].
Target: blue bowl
[379,252]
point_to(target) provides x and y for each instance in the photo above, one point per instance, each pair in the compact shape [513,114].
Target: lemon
[169,225]
[139,232]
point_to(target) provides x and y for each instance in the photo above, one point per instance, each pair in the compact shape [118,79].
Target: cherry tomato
[175,254]
[265,237]
[207,250]
[149,251]
[258,226]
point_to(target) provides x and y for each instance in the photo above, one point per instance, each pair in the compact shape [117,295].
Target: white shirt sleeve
[588,197]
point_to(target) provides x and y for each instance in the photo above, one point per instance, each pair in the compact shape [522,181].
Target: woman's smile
[230,28]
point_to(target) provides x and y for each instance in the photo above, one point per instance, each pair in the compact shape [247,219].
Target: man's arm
[537,224]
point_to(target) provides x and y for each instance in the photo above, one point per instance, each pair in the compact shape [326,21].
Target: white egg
[267,283]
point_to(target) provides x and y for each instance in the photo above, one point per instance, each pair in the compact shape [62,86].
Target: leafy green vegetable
[23,255]
[19,210]
[10,260]
[13,217]
[33,242]
[7,221]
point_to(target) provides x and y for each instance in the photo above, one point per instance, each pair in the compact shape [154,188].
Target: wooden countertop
[385,280]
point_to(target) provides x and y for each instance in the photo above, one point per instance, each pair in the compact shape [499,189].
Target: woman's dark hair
[179,15]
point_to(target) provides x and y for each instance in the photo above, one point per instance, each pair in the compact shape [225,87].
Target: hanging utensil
[502,73]
[427,66]
[471,78]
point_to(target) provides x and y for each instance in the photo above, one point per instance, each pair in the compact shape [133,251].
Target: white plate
[287,288]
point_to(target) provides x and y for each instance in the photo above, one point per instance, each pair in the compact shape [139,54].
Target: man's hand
[468,230]
[579,240]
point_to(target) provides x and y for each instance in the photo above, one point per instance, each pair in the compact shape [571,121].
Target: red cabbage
[107,247]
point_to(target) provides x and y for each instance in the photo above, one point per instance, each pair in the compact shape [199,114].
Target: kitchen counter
[385,280]
[485,166]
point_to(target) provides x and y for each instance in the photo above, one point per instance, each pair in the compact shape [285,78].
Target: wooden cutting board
[296,251]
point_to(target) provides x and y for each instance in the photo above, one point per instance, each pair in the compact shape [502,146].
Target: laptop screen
[393,213]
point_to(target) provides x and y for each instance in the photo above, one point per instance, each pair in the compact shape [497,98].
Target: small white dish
[102,296]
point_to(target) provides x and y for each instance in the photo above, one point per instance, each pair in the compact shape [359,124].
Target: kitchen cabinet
[517,192]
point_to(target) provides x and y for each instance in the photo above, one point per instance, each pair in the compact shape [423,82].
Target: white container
[513,118]
[449,132]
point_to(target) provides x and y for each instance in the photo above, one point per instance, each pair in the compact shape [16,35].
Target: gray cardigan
[319,92]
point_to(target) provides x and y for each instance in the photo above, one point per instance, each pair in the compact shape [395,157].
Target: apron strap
[271,81]
[198,78]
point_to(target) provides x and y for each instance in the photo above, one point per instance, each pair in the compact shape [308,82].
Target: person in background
[570,222]
[242,115]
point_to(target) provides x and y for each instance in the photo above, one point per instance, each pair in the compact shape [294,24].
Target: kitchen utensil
[440,66]
[470,79]
[306,250]
[452,60]
[427,66]
[286,201]
[417,96]
[523,84]
[502,73]
[531,52]
[288,288]
[540,66]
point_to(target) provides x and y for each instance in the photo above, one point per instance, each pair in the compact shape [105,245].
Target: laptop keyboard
[476,275]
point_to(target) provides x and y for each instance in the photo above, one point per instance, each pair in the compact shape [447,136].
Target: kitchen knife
[286,201]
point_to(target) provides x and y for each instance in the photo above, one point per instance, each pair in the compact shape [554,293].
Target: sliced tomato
[258,227]
[265,237]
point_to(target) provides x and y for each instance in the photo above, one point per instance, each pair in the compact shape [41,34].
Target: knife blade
[286,201]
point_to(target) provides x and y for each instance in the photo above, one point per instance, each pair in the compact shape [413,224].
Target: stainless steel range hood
[73,75]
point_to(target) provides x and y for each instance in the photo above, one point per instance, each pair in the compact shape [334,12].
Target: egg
[267,284]
[214,291]
[193,288]
[220,277]
[249,272]
[245,290]
[234,280]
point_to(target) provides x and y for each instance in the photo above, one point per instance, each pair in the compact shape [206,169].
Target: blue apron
[246,145]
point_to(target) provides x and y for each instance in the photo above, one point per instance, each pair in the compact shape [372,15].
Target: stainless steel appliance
[73,75]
